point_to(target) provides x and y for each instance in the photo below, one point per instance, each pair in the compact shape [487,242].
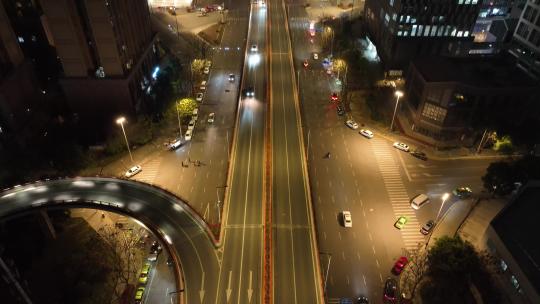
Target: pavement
[451,220]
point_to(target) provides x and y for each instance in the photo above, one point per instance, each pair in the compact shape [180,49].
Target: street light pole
[398,94]
[444,198]
[178,116]
[121,121]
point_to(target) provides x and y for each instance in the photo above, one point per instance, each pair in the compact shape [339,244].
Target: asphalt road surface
[369,178]
[296,276]
[240,276]
[150,205]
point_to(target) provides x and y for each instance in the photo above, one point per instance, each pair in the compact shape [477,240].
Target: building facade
[406,29]
[511,237]
[447,100]
[526,46]
[17,81]
[107,51]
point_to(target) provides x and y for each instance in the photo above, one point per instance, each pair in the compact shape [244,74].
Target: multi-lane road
[240,276]
[296,278]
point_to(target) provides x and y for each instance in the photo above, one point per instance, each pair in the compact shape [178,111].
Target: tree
[416,270]
[186,106]
[125,251]
[500,177]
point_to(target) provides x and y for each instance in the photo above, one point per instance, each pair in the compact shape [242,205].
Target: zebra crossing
[149,170]
[397,193]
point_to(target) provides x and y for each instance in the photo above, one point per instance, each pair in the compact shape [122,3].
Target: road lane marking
[229,290]
[201,291]
[250,289]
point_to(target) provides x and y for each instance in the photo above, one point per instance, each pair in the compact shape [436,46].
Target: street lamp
[121,121]
[178,116]
[444,198]
[398,94]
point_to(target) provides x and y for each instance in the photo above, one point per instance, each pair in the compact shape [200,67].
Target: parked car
[347,219]
[206,70]
[419,154]
[315,56]
[191,124]
[351,124]
[211,117]
[390,291]
[139,294]
[188,135]
[400,223]
[401,146]
[143,278]
[428,226]
[176,144]
[146,268]
[133,170]
[399,265]
[199,97]
[340,110]
[462,192]
[203,85]
[305,63]
[366,133]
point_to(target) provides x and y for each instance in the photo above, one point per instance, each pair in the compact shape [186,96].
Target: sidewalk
[475,225]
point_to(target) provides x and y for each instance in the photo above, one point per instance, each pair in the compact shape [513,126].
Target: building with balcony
[404,30]
[512,238]
[526,40]
[447,100]
[108,54]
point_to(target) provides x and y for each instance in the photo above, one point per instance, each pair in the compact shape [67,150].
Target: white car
[191,124]
[351,124]
[401,146]
[176,144]
[366,133]
[133,170]
[188,135]
[231,77]
[254,48]
[208,63]
[203,85]
[315,56]
[199,97]
[206,70]
[211,117]
[347,219]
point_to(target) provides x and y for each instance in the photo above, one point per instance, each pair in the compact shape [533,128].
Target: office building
[448,99]
[108,54]
[526,40]
[404,30]
[495,26]
[512,238]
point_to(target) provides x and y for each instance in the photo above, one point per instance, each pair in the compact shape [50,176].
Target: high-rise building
[406,29]
[526,41]
[495,26]
[107,51]
[17,83]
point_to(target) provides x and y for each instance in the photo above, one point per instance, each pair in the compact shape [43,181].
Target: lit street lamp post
[444,198]
[121,121]
[178,116]
[398,94]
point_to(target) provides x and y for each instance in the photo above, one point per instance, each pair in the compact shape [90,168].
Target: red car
[334,97]
[399,265]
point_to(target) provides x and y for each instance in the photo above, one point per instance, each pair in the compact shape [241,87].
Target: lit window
[399,33]
[413,33]
[434,112]
[460,33]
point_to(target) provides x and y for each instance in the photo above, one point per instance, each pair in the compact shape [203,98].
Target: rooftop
[516,226]
[479,72]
